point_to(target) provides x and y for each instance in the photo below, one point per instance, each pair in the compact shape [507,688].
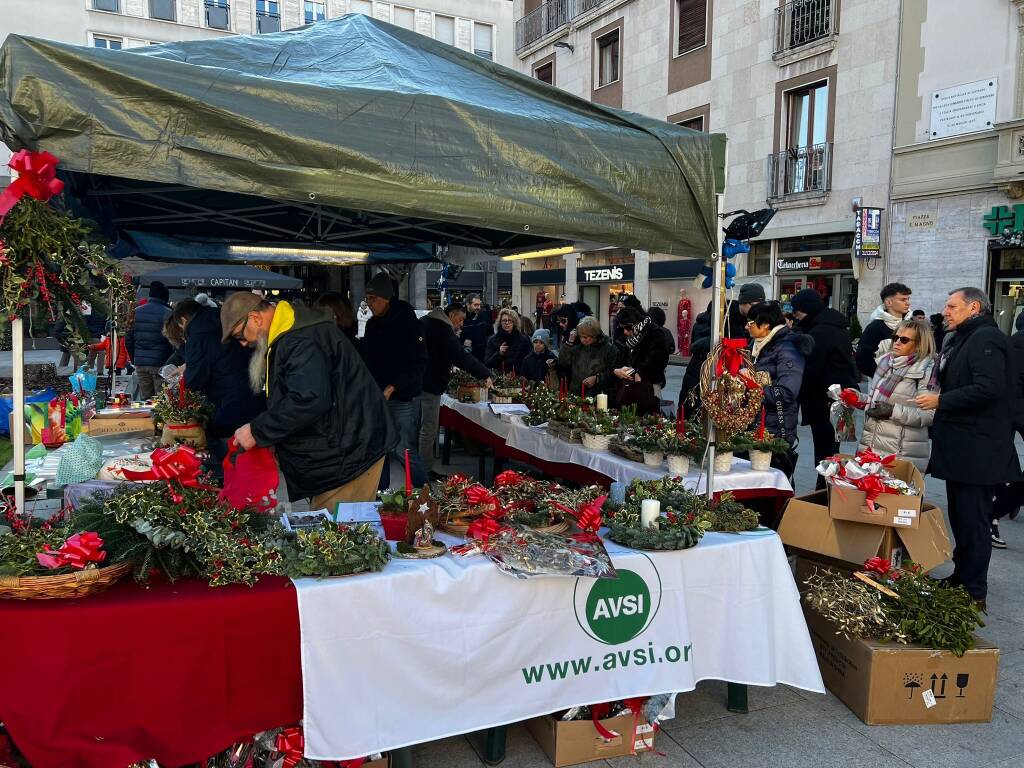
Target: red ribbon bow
[37,178]
[868,456]
[179,464]
[509,478]
[481,530]
[78,551]
[587,517]
[873,487]
[730,358]
[478,496]
[291,742]
[851,398]
[878,565]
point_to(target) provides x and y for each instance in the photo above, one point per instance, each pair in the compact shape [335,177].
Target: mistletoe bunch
[508,385]
[177,405]
[459,378]
[913,608]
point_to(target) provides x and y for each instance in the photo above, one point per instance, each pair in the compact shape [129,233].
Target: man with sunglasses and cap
[326,417]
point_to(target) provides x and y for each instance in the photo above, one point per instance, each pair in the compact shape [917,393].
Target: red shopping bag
[250,478]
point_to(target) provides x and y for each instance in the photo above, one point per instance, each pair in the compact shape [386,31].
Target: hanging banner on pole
[867,236]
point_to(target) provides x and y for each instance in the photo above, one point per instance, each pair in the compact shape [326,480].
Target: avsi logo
[614,611]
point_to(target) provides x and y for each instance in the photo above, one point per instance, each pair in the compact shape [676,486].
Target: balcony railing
[551,16]
[800,172]
[267,23]
[801,22]
[218,14]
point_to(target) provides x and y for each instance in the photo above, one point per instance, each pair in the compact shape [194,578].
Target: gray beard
[258,365]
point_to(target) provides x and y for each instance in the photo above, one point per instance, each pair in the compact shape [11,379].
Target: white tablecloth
[537,442]
[428,649]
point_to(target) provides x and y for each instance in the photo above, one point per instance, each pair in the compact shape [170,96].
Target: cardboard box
[807,528]
[577,741]
[891,509]
[383,762]
[893,684]
[114,425]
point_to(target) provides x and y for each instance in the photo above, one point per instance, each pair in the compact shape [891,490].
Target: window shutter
[693,21]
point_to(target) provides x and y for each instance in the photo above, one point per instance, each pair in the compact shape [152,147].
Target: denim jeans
[406,414]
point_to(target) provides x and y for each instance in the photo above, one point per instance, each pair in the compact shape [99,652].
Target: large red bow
[730,358]
[78,551]
[873,487]
[509,478]
[587,517]
[179,464]
[478,496]
[878,565]
[291,742]
[851,397]
[867,456]
[481,530]
[37,178]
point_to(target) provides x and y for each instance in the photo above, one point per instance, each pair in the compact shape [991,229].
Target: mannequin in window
[684,322]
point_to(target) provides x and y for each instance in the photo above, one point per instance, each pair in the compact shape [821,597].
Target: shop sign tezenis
[609,274]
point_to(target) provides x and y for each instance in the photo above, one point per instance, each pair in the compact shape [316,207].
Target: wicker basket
[761,461]
[654,458]
[561,527]
[77,584]
[723,462]
[625,451]
[678,465]
[563,431]
[455,529]
[596,442]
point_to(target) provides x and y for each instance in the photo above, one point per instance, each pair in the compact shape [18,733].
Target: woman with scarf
[778,354]
[643,357]
[893,423]
[507,348]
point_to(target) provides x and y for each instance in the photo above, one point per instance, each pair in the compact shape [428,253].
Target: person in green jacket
[586,357]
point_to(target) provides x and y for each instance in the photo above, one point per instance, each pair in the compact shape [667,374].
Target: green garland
[335,550]
[174,406]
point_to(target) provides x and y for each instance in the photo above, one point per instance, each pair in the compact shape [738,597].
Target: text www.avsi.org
[638,657]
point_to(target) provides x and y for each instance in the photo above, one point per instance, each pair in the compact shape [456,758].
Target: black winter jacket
[830,363]
[444,351]
[326,416]
[649,356]
[518,348]
[972,435]
[535,367]
[394,351]
[221,372]
[145,341]
[1017,356]
[477,330]
[783,359]
[874,334]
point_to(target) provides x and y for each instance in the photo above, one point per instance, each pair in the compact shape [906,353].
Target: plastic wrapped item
[81,460]
[844,401]
[523,552]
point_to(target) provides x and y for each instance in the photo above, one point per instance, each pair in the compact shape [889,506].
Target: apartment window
[483,40]
[545,73]
[268,16]
[808,116]
[110,43]
[444,29]
[313,12]
[608,59]
[162,9]
[759,260]
[694,123]
[107,5]
[405,18]
[692,19]
[801,22]
[364,7]
[217,14]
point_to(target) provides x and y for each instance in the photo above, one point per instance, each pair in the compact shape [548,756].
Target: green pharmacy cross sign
[1006,223]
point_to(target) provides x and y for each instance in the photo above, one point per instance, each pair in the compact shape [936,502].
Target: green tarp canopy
[379,129]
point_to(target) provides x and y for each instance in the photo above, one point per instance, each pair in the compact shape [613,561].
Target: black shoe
[997,541]
[436,477]
[982,606]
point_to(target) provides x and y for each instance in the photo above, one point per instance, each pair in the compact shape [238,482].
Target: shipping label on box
[893,684]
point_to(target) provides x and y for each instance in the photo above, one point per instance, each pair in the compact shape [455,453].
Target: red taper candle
[408,476]
[760,430]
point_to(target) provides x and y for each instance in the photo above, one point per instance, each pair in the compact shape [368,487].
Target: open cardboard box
[891,509]
[895,684]
[807,527]
[577,741]
[137,420]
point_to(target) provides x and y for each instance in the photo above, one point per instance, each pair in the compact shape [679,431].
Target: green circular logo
[615,611]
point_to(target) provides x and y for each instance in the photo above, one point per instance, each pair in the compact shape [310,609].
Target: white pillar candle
[650,511]
[602,402]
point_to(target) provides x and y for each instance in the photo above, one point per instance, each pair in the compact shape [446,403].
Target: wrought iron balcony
[800,172]
[218,14]
[551,16]
[801,22]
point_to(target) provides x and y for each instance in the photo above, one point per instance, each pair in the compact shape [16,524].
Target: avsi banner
[426,650]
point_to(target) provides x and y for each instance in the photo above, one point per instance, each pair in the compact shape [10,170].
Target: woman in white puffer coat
[893,424]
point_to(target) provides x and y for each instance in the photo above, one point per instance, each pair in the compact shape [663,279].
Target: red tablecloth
[573,473]
[174,672]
